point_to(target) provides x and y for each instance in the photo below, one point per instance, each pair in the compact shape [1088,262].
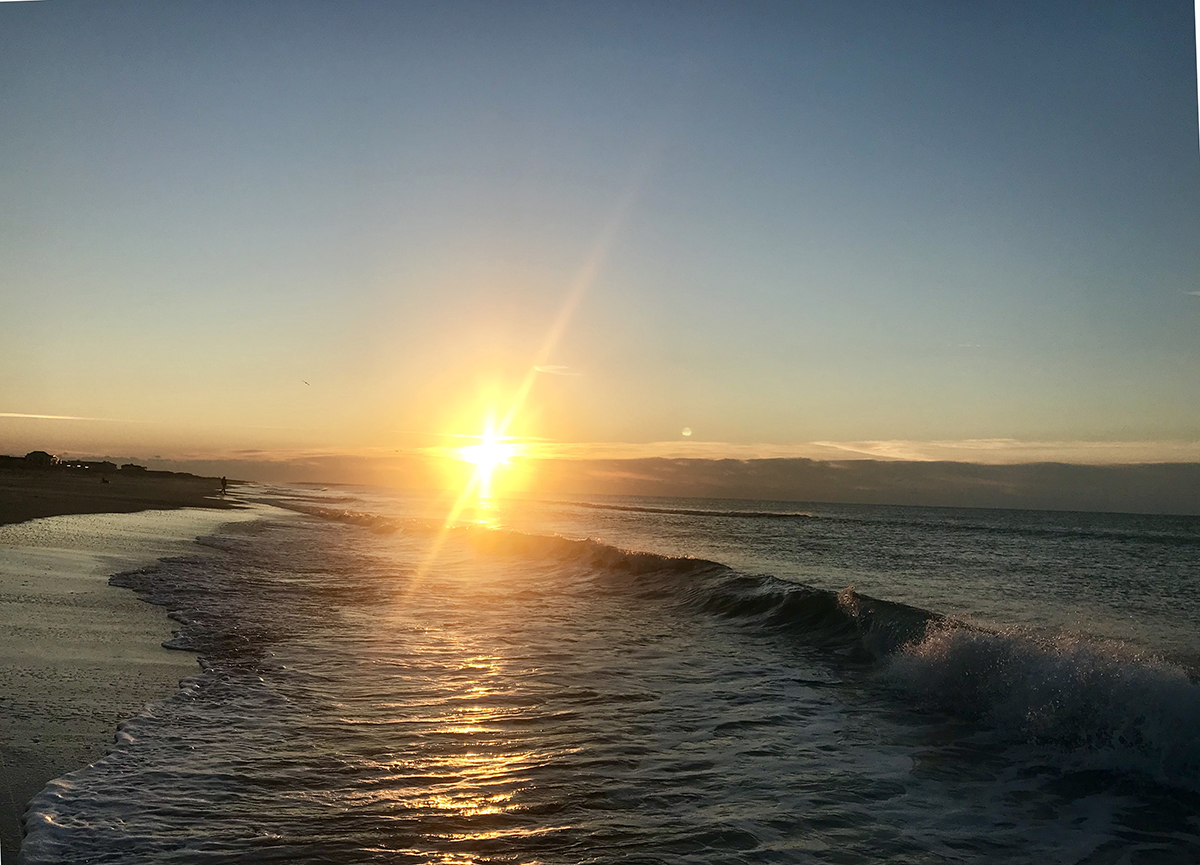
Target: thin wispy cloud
[64,416]
[999,451]
[71,417]
[984,451]
[557,369]
[476,437]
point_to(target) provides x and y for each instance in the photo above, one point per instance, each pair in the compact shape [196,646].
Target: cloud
[1154,488]
[981,451]
[994,452]
[1012,451]
[557,369]
[1194,293]
[63,417]
[1148,477]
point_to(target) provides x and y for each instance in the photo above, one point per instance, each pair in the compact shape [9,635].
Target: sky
[354,228]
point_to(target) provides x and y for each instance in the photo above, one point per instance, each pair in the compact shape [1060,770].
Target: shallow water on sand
[523,697]
[76,654]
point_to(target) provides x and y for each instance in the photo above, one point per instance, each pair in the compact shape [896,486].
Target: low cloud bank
[1155,488]
[1167,488]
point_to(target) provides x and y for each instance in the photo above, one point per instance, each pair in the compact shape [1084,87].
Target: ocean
[658,680]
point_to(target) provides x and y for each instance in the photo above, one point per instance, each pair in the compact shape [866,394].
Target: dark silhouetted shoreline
[28,492]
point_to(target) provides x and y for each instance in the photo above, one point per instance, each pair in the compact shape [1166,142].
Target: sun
[489,453]
[492,451]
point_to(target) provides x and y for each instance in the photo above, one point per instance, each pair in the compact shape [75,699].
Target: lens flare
[492,451]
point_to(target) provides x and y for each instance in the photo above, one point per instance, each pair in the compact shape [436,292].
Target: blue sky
[844,222]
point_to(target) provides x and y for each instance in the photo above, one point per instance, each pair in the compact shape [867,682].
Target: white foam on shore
[76,654]
[53,565]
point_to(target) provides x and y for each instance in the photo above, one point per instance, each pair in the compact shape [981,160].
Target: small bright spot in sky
[687,430]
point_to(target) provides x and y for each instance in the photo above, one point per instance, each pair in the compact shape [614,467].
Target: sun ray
[495,447]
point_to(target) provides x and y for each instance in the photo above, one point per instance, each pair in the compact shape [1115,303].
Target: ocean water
[658,680]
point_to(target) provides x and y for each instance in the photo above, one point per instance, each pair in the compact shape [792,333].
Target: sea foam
[1122,708]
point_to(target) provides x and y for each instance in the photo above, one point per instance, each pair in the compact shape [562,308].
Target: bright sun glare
[488,454]
[492,451]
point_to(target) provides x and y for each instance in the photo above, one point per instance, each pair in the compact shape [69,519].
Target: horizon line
[989,451]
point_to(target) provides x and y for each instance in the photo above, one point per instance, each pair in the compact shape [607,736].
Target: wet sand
[77,655]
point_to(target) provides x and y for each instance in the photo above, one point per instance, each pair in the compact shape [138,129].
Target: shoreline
[28,494]
[77,655]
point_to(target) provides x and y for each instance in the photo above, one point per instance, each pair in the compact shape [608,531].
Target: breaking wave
[1101,700]
[1122,708]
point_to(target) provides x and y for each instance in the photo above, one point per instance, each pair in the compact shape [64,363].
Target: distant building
[41,459]
[131,467]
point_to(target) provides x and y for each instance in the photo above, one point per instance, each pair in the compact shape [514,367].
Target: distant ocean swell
[694,512]
[1165,538]
[1120,708]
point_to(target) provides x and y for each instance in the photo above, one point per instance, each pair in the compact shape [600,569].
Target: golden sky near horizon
[303,231]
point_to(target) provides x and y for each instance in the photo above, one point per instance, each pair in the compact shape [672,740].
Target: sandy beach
[77,655]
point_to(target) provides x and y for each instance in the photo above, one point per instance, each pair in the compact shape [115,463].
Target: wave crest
[1127,710]
[1131,710]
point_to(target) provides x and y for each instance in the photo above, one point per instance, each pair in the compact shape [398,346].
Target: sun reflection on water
[461,769]
[483,512]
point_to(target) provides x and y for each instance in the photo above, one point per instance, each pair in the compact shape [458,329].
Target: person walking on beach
[222,485]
